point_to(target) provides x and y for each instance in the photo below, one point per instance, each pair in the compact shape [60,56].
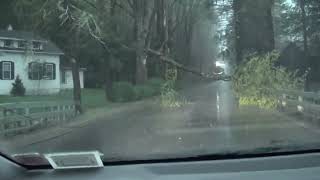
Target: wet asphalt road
[205,126]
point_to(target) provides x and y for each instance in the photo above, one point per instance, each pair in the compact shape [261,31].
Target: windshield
[159,79]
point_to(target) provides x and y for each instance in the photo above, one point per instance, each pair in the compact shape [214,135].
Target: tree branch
[151,21]
[172,62]
[116,3]
[91,4]
[130,4]
[130,13]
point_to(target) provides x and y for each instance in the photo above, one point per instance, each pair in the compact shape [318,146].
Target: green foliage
[151,88]
[122,92]
[291,26]
[156,84]
[126,92]
[18,88]
[257,81]
[91,98]
[144,91]
[169,96]
[262,102]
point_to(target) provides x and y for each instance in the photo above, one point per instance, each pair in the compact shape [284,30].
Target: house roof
[48,46]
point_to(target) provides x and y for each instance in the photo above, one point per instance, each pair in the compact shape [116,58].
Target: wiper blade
[275,150]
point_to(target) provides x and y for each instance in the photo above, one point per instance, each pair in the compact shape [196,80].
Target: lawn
[91,98]
[94,98]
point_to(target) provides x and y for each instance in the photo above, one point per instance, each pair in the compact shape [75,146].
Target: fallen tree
[162,57]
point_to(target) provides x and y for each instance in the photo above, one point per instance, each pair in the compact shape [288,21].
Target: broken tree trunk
[76,86]
[142,19]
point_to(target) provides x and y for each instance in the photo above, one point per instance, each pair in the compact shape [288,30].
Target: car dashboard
[291,167]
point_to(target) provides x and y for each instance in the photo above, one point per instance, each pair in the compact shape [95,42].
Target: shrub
[144,91]
[257,81]
[122,92]
[18,88]
[170,97]
[151,88]
[263,102]
[156,84]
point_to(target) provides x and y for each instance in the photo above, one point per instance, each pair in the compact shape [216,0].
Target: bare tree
[143,15]
[302,5]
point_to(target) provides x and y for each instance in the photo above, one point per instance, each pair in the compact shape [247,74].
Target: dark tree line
[134,40]
[253,23]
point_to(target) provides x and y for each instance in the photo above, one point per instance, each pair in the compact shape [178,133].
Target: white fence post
[27,113]
[32,115]
[284,100]
[300,107]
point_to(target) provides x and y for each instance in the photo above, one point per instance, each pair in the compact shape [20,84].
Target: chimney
[9,28]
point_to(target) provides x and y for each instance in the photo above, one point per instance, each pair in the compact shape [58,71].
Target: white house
[35,60]
[66,77]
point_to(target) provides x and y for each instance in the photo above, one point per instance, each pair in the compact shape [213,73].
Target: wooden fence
[305,104]
[22,117]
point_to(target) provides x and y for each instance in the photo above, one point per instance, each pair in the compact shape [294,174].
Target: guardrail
[306,104]
[22,117]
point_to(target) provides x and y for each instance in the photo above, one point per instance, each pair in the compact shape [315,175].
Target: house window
[35,71]
[48,71]
[8,43]
[7,70]
[22,44]
[42,71]
[36,45]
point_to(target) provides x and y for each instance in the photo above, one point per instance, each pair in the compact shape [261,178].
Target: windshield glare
[159,79]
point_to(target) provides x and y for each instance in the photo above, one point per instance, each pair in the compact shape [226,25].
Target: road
[207,125]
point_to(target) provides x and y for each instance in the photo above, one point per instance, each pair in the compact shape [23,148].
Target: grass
[91,98]
[94,98]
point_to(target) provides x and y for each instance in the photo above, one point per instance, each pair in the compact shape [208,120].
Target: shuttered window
[48,70]
[42,71]
[35,71]
[8,43]
[22,44]
[6,70]
[36,45]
